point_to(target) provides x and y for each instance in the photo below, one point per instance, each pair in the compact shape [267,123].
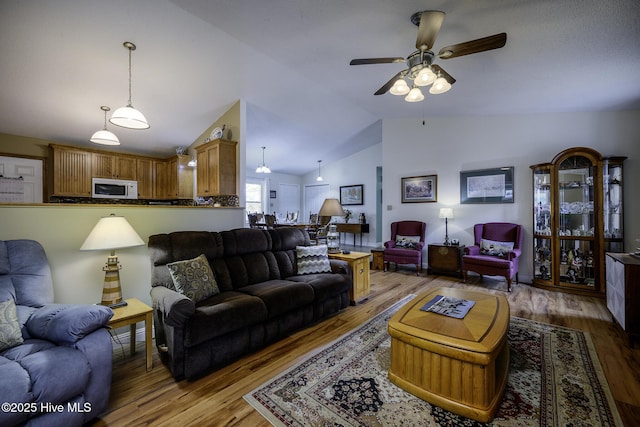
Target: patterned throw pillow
[312,259]
[193,278]
[10,334]
[491,247]
[409,242]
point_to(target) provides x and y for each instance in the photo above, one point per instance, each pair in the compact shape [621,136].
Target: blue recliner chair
[55,359]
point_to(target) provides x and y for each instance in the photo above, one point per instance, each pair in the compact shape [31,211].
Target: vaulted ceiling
[289,61]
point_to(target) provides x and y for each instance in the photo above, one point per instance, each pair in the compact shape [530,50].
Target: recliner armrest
[175,307]
[339,266]
[66,324]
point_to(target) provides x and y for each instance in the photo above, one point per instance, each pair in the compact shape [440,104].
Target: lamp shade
[400,87]
[104,137]
[441,85]
[425,77]
[331,207]
[414,95]
[111,232]
[129,117]
[446,213]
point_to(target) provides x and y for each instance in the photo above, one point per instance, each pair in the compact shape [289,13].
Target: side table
[445,259]
[359,264]
[378,259]
[135,311]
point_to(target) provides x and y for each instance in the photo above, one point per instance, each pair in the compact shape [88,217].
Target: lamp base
[111,291]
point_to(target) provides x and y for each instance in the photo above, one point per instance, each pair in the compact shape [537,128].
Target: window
[255,191]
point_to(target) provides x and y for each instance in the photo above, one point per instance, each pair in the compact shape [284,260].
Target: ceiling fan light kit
[420,67]
[128,117]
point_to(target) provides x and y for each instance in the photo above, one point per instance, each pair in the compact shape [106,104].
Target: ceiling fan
[421,68]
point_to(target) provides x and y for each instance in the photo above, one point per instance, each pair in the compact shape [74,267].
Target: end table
[135,311]
[359,264]
[445,259]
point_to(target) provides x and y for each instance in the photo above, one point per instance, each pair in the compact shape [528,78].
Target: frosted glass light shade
[441,85]
[425,77]
[129,117]
[104,137]
[111,232]
[263,169]
[399,87]
[414,95]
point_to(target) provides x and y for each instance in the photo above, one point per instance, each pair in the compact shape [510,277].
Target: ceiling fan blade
[495,41]
[430,23]
[366,61]
[438,70]
[384,89]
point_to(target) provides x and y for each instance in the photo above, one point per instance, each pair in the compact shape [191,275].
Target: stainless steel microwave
[102,188]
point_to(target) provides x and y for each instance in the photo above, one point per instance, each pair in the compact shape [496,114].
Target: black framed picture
[352,195]
[419,189]
[272,194]
[487,185]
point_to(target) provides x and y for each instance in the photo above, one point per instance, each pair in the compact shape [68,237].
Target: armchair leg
[508,284]
[517,278]
[464,276]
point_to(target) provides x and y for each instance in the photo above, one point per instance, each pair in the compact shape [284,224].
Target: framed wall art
[419,189]
[352,195]
[273,194]
[487,185]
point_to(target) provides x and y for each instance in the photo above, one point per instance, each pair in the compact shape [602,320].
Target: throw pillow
[193,278]
[312,259]
[409,242]
[10,334]
[491,247]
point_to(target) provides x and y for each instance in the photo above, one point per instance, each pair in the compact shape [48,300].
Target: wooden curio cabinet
[216,169]
[577,217]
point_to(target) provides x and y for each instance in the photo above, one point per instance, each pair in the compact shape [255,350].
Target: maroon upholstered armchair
[496,251]
[405,246]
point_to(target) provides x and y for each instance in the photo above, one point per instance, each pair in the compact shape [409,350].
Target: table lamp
[446,213]
[332,207]
[112,232]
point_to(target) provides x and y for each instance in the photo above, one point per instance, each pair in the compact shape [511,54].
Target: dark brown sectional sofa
[262,298]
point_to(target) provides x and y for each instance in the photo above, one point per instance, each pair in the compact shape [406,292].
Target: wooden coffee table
[460,365]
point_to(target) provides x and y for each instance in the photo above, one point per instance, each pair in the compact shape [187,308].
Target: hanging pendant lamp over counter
[103,136]
[129,117]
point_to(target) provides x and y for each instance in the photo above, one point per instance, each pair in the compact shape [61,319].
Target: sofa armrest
[65,324]
[175,307]
[339,266]
[472,250]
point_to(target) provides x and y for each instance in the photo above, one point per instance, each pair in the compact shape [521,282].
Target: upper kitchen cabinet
[70,171]
[114,166]
[217,168]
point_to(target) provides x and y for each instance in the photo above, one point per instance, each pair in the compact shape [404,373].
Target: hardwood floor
[154,398]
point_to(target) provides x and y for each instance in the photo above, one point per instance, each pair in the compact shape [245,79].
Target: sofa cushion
[312,259]
[492,247]
[67,323]
[410,242]
[194,278]
[10,334]
[221,314]
[325,285]
[15,387]
[281,296]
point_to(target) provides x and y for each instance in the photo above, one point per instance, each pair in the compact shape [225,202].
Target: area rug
[555,379]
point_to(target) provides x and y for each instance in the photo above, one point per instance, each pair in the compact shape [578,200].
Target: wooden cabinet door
[145,173]
[202,178]
[162,179]
[172,172]
[217,168]
[126,168]
[71,173]
[104,165]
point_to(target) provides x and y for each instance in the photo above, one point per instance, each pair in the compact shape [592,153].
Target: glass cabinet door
[612,204]
[577,222]
[542,223]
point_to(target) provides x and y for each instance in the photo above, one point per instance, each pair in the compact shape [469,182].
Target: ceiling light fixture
[263,167]
[441,85]
[103,136]
[425,77]
[129,117]
[319,178]
[399,87]
[414,95]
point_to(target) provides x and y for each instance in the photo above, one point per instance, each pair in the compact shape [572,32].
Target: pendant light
[319,178]
[103,136]
[129,117]
[263,167]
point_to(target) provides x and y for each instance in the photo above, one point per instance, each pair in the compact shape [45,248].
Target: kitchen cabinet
[623,292]
[577,211]
[69,171]
[146,176]
[113,166]
[216,169]
[174,178]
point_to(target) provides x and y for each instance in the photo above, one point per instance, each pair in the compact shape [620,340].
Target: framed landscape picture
[419,189]
[487,186]
[352,195]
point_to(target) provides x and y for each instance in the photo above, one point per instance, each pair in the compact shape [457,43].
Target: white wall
[446,146]
[359,168]
[77,276]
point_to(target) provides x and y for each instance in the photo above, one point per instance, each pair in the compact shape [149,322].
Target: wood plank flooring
[141,398]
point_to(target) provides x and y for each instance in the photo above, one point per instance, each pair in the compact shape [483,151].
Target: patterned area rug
[555,379]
